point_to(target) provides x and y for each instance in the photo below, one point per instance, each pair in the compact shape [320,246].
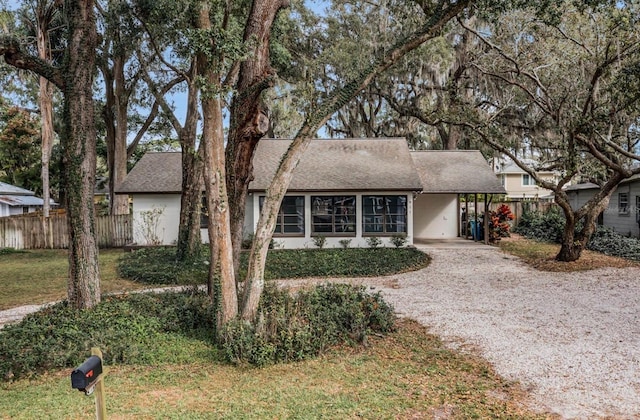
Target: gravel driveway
[571,339]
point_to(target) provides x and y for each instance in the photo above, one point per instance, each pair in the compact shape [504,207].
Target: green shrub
[374,242]
[399,240]
[549,227]
[296,328]
[608,242]
[351,262]
[139,328]
[344,243]
[544,227]
[158,265]
[319,241]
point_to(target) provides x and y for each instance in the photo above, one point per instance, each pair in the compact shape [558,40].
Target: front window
[290,220]
[623,203]
[384,214]
[528,180]
[333,215]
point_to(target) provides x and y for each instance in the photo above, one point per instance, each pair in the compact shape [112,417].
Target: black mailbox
[87,373]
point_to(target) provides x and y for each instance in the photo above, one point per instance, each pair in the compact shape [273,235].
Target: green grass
[408,374]
[40,276]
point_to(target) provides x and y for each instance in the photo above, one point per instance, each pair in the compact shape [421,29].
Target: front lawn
[40,276]
[408,374]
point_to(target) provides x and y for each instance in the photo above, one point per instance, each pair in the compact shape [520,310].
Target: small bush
[374,242]
[500,223]
[319,241]
[399,240]
[344,243]
[300,327]
[140,328]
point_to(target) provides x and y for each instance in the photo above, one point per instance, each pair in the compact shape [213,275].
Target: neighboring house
[519,184]
[347,189]
[623,213]
[15,200]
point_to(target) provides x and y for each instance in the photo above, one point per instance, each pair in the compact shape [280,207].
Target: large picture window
[290,217]
[384,214]
[333,215]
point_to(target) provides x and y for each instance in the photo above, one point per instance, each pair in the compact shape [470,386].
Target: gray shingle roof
[156,172]
[340,165]
[13,190]
[456,171]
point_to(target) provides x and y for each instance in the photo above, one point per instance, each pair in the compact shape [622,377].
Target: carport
[447,176]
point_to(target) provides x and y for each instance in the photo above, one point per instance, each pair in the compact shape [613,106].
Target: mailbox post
[88,378]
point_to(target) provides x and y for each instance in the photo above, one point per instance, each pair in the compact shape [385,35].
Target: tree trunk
[189,238]
[249,121]
[117,136]
[79,144]
[574,243]
[215,185]
[45,101]
[570,249]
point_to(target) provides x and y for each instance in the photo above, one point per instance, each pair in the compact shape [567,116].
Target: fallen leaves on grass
[541,256]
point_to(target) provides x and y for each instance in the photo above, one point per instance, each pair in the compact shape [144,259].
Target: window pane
[291,215]
[333,214]
[384,214]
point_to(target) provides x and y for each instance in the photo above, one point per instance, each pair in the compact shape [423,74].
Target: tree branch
[15,56]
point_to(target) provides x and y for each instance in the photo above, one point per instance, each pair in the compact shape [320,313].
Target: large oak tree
[74,77]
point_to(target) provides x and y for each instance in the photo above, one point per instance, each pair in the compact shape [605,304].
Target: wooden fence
[37,232]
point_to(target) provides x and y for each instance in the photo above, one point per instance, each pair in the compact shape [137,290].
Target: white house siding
[167,227]
[624,223]
[306,241]
[436,216]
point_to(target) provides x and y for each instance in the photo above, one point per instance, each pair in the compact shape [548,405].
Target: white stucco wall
[435,216]
[306,241]
[166,230]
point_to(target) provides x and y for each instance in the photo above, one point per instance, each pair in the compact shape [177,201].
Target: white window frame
[531,182]
[623,204]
